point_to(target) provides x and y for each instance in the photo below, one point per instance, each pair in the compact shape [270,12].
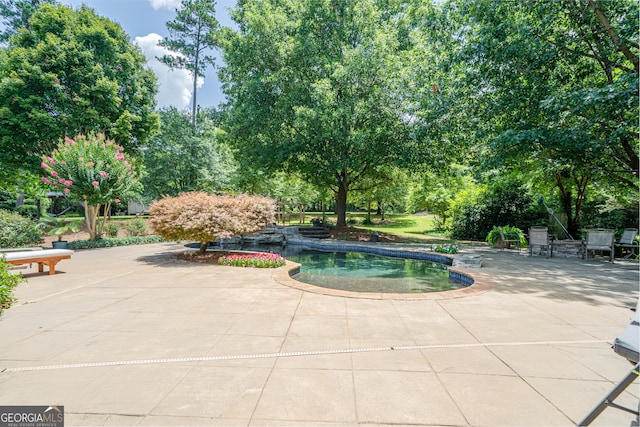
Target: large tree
[555,85]
[180,158]
[15,15]
[318,88]
[71,72]
[192,36]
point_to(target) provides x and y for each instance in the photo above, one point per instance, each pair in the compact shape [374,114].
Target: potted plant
[60,227]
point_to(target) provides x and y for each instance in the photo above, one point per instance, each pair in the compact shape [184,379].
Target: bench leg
[51,264]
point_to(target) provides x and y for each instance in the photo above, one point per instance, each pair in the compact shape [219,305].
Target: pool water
[362,272]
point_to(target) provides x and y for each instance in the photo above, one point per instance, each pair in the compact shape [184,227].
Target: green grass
[410,228]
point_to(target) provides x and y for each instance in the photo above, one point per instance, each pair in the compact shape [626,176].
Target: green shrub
[17,231]
[136,227]
[29,211]
[8,282]
[111,229]
[446,249]
[511,233]
[109,242]
[505,202]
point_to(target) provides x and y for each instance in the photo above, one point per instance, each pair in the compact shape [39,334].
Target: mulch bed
[210,257]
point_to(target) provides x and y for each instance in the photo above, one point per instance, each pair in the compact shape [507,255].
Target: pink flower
[95,183]
[54,173]
[66,190]
[44,165]
[104,174]
[51,161]
[69,141]
[119,155]
[116,200]
[68,183]
[45,180]
[61,180]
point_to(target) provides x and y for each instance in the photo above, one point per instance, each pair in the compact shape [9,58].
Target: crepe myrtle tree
[203,217]
[93,170]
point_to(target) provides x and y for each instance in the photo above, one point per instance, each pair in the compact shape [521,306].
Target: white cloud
[168,4]
[174,86]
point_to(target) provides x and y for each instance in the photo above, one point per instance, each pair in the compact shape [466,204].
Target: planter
[60,244]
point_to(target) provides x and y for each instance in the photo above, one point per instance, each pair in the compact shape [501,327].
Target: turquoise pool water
[362,272]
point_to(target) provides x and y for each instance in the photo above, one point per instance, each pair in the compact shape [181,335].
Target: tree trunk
[341,199]
[203,247]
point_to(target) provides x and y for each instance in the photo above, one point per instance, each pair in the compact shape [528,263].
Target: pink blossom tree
[203,217]
[92,170]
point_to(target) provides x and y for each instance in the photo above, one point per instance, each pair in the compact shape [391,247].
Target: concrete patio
[131,336]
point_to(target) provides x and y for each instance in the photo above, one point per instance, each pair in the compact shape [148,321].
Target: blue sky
[145,22]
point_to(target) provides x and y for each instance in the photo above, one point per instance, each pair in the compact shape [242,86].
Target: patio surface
[131,336]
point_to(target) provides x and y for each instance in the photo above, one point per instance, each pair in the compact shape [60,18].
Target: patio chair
[539,236]
[626,345]
[600,239]
[627,241]
[507,239]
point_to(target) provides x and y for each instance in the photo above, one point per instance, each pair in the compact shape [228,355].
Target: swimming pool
[363,272]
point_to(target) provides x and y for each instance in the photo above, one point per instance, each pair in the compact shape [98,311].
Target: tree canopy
[71,72]
[192,35]
[324,97]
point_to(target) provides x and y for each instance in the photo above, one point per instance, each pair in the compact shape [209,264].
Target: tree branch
[614,36]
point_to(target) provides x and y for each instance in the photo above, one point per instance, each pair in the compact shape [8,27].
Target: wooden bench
[50,257]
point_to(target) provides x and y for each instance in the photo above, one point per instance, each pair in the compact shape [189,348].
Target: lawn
[411,228]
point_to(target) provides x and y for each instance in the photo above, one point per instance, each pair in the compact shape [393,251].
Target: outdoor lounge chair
[626,345]
[600,239]
[539,236]
[627,241]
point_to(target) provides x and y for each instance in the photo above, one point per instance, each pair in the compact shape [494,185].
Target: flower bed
[264,260]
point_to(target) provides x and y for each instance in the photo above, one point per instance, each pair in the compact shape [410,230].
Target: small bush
[136,227]
[446,249]
[112,242]
[17,231]
[367,221]
[111,229]
[8,282]
[269,260]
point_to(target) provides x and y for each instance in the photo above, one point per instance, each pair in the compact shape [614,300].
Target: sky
[145,23]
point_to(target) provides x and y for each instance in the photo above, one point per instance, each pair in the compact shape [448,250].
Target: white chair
[600,239]
[539,236]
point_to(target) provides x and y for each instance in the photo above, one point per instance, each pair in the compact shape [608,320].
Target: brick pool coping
[481,282]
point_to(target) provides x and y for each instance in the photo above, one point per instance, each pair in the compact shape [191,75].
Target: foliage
[62,226]
[8,282]
[16,15]
[71,72]
[111,229]
[203,217]
[566,93]
[180,158]
[262,260]
[17,231]
[191,34]
[325,97]
[113,242]
[92,170]
[446,249]
[504,202]
[510,232]
[136,227]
